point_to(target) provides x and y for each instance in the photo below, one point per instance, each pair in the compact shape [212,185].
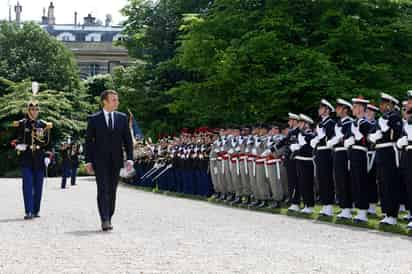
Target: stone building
[93,43]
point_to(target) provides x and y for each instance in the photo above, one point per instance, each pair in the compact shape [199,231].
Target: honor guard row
[176,164]
[355,160]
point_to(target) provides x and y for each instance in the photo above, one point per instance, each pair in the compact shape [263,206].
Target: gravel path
[161,234]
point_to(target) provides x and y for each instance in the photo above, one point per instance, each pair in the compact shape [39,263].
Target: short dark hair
[106,93]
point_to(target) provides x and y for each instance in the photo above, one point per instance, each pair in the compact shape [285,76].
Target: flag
[134,127]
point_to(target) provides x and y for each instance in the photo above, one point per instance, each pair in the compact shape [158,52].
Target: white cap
[343,103]
[305,118]
[329,105]
[410,94]
[404,103]
[293,116]
[390,98]
[372,107]
[360,100]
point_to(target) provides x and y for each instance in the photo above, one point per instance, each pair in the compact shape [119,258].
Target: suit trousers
[107,178]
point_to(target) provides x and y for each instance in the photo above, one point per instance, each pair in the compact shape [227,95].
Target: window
[93,37]
[118,37]
[66,36]
[94,69]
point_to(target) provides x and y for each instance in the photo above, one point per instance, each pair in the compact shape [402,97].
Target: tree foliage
[228,62]
[28,52]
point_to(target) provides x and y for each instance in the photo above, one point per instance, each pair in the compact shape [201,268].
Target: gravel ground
[161,234]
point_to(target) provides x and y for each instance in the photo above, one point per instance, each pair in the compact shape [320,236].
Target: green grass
[373,222]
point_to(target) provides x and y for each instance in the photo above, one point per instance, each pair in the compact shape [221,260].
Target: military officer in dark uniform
[390,128]
[66,165]
[373,198]
[75,150]
[304,164]
[33,138]
[341,159]
[294,195]
[406,143]
[323,157]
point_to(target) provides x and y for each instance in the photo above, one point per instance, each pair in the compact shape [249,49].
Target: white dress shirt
[106,117]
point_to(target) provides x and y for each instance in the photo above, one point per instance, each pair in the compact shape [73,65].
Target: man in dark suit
[107,133]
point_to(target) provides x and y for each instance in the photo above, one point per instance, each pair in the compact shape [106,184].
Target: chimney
[44,18]
[18,9]
[89,20]
[9,12]
[50,15]
[75,18]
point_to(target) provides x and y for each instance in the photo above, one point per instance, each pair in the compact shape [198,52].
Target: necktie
[110,121]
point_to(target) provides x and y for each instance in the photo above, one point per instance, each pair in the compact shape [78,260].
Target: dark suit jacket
[104,146]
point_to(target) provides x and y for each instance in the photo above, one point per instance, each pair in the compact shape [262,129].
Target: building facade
[95,45]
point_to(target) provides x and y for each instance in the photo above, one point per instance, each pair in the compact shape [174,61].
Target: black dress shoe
[106,225]
[28,217]
[253,204]
[262,204]
[36,215]
[236,201]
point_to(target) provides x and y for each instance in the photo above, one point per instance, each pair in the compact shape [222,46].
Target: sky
[64,9]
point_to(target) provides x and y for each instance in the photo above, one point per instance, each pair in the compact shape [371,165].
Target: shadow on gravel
[81,233]
[15,220]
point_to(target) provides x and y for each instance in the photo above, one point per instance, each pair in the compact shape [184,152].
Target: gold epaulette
[16,124]
[49,125]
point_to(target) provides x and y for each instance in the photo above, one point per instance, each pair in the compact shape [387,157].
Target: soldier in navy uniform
[304,164]
[373,198]
[341,159]
[294,195]
[75,150]
[33,138]
[323,157]
[358,146]
[66,166]
[390,128]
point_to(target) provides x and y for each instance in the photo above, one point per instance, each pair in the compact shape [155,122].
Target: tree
[31,53]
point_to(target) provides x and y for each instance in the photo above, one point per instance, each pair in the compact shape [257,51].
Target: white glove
[402,142]
[314,141]
[332,142]
[21,147]
[320,132]
[375,136]
[349,142]
[383,124]
[301,140]
[294,147]
[338,132]
[231,151]
[46,161]
[237,149]
[355,130]
[266,153]
[408,129]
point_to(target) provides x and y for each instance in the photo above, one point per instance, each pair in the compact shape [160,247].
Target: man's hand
[89,169]
[129,165]
[21,147]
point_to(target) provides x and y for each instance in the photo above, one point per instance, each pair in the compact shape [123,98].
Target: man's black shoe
[106,225]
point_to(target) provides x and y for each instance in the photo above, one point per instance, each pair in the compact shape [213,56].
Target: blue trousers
[32,189]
